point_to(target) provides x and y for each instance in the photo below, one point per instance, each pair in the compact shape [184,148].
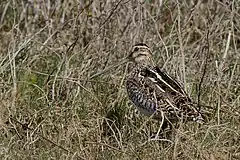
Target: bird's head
[141,54]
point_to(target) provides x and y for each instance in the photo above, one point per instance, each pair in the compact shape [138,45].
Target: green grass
[50,108]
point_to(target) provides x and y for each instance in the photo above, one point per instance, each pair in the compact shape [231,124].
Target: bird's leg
[162,127]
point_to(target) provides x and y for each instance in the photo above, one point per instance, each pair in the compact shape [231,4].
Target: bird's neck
[134,67]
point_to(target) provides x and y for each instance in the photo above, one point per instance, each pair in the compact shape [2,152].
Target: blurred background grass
[50,108]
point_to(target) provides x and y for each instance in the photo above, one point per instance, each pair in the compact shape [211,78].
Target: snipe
[154,92]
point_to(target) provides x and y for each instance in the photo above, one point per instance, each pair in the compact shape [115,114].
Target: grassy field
[51,106]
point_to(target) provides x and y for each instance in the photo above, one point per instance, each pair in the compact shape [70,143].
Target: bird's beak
[123,61]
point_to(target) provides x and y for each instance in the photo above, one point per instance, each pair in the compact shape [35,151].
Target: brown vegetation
[52,108]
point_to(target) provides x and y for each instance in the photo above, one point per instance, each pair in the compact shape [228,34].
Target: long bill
[125,60]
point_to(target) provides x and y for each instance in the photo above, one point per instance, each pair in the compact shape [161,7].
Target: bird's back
[154,91]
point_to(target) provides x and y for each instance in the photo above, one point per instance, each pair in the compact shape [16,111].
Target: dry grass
[50,108]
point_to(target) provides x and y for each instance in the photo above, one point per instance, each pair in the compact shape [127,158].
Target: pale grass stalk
[183,75]
[220,70]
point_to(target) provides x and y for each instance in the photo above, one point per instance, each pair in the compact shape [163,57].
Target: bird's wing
[145,83]
[167,83]
[177,97]
[152,90]
[173,94]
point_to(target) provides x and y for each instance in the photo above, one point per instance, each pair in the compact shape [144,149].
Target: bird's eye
[136,49]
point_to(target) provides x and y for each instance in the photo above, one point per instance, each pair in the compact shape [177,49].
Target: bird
[154,92]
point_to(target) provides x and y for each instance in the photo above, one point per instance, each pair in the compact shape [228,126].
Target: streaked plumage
[154,92]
